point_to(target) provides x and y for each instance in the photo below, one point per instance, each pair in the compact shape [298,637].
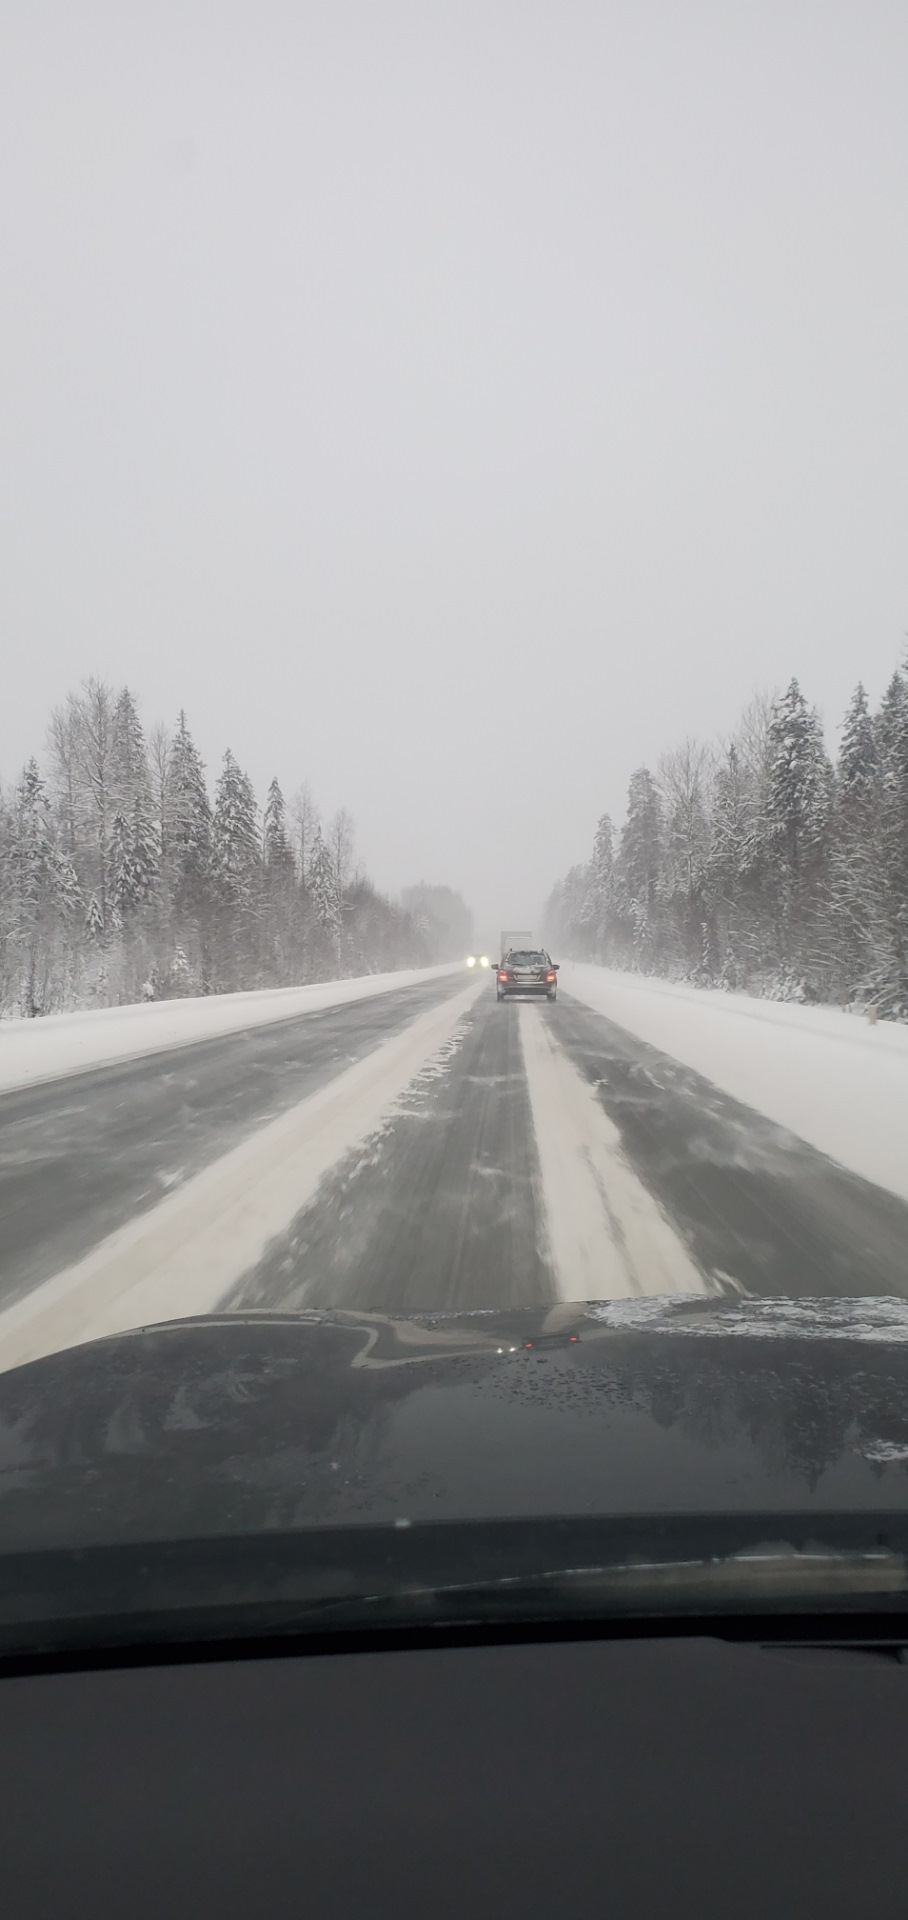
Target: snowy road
[423,1149]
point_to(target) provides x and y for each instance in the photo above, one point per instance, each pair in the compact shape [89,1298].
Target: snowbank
[65,1043]
[826,1075]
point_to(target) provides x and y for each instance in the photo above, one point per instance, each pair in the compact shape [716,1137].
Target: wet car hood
[241,1424]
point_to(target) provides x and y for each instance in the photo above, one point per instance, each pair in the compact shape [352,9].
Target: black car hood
[243,1424]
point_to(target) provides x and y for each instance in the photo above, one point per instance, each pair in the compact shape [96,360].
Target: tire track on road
[82,1156]
[185,1255]
[439,1211]
[609,1238]
[761,1211]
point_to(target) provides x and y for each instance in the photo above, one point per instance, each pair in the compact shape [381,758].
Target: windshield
[396,400]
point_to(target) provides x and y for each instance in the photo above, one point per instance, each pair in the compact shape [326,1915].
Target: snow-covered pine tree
[93,711]
[858,758]
[320,880]
[145,849]
[134,874]
[42,893]
[857,911]
[278,853]
[794,834]
[236,872]
[638,870]
[800,783]
[730,880]
[685,777]
[128,756]
[235,839]
[891,985]
[595,909]
[341,843]
[189,849]
[282,938]
[322,900]
[159,754]
[8,969]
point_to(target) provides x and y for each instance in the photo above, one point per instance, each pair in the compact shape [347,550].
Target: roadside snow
[827,1076]
[65,1043]
[607,1235]
[183,1256]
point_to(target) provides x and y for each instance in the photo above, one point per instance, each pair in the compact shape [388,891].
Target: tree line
[759,864]
[122,878]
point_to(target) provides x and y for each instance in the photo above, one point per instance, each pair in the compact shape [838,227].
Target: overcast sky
[454,403]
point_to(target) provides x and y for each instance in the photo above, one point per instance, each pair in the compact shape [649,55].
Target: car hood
[250,1423]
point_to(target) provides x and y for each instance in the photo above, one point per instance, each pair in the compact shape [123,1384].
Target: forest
[759,863]
[122,877]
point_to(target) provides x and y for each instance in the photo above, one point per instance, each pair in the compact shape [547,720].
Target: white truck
[510,939]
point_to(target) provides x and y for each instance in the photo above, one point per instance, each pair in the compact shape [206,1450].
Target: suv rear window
[521,959]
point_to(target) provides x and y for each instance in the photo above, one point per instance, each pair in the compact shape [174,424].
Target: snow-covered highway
[427,1149]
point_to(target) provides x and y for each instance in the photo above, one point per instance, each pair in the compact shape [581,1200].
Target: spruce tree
[892,741]
[795,839]
[189,838]
[857,911]
[42,893]
[278,853]
[236,871]
[322,904]
[134,855]
[235,840]
[639,867]
[731,878]
[800,787]
[858,758]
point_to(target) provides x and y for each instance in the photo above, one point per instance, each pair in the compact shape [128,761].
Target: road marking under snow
[183,1256]
[608,1238]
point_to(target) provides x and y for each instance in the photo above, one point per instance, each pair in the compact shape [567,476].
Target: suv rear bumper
[529,986]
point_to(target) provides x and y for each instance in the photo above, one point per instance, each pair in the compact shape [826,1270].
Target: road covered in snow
[66,1043]
[418,1147]
[826,1075]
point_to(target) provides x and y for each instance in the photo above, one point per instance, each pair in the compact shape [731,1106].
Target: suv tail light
[550,976]
[504,976]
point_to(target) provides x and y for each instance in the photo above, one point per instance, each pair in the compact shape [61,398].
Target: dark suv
[526,970]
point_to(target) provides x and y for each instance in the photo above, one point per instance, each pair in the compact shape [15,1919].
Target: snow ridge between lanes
[190,1250]
[608,1238]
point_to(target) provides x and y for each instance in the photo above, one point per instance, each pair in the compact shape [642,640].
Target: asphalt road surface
[432,1150]
[82,1155]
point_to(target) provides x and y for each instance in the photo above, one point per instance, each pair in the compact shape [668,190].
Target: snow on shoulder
[67,1043]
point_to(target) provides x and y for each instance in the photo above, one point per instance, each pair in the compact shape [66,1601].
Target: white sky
[453,403]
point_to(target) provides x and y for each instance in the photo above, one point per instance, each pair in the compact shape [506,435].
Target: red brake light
[550,976]
[502,976]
